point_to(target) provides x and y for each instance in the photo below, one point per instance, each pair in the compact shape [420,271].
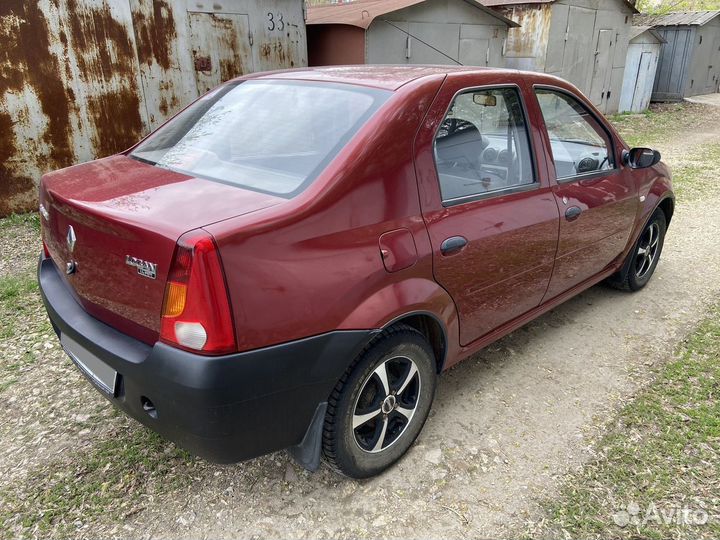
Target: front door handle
[572,213]
[453,245]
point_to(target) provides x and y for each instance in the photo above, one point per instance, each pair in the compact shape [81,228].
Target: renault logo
[71,238]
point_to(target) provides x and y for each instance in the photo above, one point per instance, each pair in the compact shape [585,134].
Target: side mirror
[641,158]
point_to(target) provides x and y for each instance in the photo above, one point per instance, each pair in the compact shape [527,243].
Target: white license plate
[102,374]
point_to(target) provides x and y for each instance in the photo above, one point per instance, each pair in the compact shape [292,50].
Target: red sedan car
[292,260]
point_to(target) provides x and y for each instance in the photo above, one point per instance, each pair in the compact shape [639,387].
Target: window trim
[535,184]
[601,122]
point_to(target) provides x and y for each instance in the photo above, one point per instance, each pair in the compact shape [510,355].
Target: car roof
[387,77]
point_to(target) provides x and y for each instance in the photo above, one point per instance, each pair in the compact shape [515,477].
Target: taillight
[46,251]
[196,311]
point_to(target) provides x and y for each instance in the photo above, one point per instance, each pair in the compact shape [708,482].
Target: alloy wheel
[386,404]
[647,250]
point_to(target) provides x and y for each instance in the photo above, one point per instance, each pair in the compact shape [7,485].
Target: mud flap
[307,453]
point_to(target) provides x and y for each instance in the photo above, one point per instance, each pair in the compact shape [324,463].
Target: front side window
[269,136]
[482,146]
[579,143]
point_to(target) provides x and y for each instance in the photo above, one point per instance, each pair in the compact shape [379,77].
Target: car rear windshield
[269,136]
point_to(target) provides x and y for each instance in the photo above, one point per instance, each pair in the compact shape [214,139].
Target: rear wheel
[644,256]
[380,405]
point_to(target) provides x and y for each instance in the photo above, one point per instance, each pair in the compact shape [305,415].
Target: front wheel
[645,254]
[380,405]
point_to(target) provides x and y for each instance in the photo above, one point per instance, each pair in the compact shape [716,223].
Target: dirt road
[506,425]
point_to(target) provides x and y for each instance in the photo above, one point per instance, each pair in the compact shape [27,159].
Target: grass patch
[11,370]
[695,173]
[31,219]
[698,173]
[13,288]
[663,451]
[109,480]
[659,123]
[15,301]
[24,328]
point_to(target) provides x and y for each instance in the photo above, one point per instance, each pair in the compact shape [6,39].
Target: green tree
[666,6]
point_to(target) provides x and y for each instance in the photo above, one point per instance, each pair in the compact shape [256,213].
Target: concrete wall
[436,32]
[81,79]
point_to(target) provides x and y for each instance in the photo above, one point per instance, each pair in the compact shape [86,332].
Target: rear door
[596,197]
[489,211]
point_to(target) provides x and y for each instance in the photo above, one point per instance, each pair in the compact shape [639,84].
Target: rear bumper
[224,409]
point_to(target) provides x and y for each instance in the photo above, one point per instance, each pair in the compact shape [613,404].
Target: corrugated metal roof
[499,3]
[362,12]
[677,18]
[635,31]
[494,3]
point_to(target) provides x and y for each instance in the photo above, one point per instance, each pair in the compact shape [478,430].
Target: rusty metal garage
[690,58]
[640,68]
[454,32]
[583,41]
[81,79]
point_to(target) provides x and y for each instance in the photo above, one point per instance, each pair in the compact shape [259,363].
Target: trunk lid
[126,217]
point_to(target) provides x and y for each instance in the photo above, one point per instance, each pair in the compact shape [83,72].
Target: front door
[596,197]
[492,219]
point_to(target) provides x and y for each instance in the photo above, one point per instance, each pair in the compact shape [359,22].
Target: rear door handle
[453,245]
[572,213]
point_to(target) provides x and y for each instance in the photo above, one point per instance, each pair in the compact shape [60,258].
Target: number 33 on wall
[275,22]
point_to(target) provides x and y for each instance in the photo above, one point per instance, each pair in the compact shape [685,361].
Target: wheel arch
[431,327]
[659,196]
[418,302]
[667,205]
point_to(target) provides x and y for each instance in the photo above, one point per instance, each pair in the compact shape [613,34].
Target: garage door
[220,48]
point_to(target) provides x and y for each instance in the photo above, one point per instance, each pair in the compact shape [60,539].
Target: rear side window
[579,143]
[483,146]
[269,136]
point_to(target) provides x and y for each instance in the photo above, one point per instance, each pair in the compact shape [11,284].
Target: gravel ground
[506,426]
[20,245]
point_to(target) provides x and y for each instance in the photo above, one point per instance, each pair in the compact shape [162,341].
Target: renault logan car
[292,260]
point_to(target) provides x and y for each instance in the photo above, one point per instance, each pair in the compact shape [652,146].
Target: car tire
[644,255]
[380,405]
